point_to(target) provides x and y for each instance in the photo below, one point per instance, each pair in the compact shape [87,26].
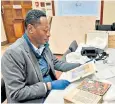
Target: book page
[82,97]
[80,72]
[85,97]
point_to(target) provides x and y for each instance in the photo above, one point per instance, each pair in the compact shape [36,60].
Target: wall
[3,34]
[108,15]
[109,12]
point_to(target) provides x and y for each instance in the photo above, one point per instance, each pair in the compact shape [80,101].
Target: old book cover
[94,86]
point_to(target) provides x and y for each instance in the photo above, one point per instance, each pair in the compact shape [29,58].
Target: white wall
[3,34]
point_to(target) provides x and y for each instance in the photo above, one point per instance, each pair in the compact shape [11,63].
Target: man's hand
[59,84]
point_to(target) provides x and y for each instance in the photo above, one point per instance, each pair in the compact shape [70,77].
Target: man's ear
[30,28]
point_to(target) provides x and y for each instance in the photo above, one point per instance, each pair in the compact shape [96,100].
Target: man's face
[41,32]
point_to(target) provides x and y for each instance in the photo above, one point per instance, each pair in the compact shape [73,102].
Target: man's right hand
[59,84]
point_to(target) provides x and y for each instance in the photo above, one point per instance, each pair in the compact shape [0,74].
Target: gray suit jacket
[21,73]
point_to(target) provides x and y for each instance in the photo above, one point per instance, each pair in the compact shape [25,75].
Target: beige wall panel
[65,29]
[109,12]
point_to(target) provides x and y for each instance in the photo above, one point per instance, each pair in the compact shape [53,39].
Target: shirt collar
[38,50]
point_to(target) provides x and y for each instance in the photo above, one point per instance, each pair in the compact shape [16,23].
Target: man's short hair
[33,17]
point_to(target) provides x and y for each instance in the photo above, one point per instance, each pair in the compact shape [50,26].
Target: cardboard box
[111,41]
[65,29]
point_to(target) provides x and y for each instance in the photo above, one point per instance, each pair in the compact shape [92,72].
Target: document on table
[106,73]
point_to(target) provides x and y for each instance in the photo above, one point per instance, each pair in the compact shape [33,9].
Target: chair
[3,91]
[72,48]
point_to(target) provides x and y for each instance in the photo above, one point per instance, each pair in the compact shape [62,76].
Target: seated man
[28,65]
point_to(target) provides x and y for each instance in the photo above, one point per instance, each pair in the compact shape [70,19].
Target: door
[13,13]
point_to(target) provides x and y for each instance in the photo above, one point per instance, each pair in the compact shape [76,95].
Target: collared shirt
[42,62]
[38,50]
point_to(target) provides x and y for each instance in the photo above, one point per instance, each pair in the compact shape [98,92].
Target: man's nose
[48,33]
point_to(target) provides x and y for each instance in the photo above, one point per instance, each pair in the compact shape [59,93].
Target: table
[56,96]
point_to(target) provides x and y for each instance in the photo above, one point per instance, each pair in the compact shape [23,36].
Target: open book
[81,72]
[88,92]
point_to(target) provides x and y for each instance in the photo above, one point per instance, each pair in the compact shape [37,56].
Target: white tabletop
[56,96]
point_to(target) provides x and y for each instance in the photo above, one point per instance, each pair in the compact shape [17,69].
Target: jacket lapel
[33,60]
[46,56]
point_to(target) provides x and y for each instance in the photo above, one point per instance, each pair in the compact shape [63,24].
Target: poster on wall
[44,5]
[78,8]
